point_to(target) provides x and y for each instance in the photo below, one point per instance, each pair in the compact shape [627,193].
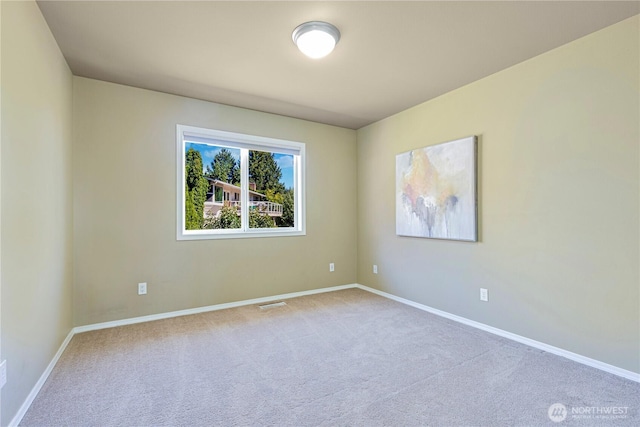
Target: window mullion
[244,188]
[296,189]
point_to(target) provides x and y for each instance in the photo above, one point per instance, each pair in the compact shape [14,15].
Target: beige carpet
[347,358]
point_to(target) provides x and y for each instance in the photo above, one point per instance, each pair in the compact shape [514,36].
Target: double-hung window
[232,185]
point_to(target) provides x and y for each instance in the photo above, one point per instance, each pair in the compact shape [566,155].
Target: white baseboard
[36,389]
[532,343]
[43,378]
[630,375]
[152,317]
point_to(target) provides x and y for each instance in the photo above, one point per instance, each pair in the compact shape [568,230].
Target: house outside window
[232,185]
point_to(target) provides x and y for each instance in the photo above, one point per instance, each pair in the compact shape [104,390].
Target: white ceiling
[392,55]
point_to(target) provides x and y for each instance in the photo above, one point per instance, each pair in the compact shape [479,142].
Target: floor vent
[272,305]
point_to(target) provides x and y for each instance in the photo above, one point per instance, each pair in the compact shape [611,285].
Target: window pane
[233,185]
[271,189]
[212,190]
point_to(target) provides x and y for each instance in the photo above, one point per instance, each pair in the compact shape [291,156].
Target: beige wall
[124,173]
[559,198]
[36,200]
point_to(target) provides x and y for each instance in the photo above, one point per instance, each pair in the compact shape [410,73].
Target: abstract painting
[436,191]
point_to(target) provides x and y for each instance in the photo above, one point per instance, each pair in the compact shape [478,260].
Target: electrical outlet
[142,288]
[332,267]
[375,269]
[3,373]
[484,294]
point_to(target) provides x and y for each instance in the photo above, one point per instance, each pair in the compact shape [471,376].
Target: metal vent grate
[272,305]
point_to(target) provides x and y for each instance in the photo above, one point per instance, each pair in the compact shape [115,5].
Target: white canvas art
[436,191]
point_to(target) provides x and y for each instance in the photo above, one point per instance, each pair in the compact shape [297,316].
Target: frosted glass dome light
[316,39]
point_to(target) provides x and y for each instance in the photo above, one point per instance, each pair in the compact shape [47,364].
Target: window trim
[244,142]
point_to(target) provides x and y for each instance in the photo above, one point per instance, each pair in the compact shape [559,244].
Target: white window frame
[244,143]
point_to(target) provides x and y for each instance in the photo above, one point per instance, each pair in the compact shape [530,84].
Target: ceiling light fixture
[316,39]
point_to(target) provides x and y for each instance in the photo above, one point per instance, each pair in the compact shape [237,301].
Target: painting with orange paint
[436,191]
